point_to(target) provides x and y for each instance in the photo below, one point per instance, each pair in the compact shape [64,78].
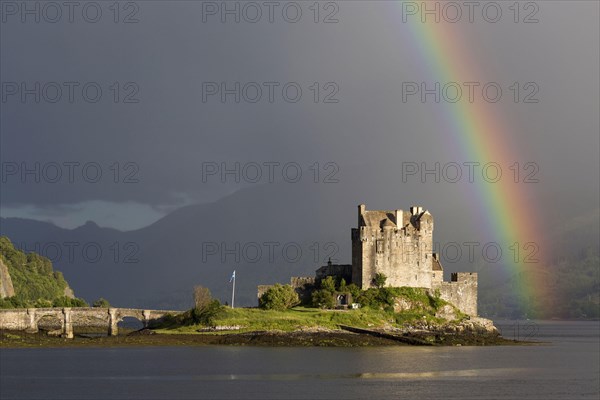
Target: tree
[65,301]
[354,290]
[202,297]
[279,297]
[206,309]
[328,284]
[101,303]
[323,298]
[208,313]
[379,280]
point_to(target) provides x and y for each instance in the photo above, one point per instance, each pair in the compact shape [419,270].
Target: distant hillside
[28,280]
[573,291]
[201,244]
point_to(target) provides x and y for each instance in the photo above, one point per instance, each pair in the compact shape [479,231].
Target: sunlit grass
[377,313]
[254,319]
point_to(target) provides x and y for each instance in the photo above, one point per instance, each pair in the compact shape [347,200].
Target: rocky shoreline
[474,332]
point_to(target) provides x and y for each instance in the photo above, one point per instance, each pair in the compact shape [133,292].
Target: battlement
[299,281]
[464,277]
[460,291]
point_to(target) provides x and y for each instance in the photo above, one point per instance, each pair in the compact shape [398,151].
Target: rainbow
[480,129]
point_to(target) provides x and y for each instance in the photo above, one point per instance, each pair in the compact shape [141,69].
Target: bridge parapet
[28,319]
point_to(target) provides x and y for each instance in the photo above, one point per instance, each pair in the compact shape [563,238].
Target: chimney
[416,210]
[399,218]
[361,210]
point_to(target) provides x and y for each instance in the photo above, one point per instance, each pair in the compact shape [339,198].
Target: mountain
[267,233]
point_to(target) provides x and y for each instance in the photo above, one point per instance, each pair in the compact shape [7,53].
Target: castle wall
[460,291]
[338,271]
[304,286]
[400,250]
[357,258]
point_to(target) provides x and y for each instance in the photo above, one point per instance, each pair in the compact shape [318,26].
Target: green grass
[255,319]
[377,312]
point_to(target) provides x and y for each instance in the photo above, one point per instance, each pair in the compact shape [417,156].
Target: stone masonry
[398,244]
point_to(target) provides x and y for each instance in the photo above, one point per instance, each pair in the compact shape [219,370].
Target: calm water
[566,368]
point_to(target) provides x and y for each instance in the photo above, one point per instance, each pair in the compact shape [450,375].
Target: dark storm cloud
[152,132]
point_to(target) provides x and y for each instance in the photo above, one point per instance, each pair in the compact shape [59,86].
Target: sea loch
[564,367]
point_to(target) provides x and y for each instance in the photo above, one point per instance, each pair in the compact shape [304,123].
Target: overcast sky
[160,127]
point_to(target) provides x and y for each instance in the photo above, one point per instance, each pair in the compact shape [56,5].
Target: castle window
[380,247]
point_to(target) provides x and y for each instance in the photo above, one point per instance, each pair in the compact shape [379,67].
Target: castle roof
[388,224]
[378,218]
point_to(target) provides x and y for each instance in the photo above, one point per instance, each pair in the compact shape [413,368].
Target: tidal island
[393,293]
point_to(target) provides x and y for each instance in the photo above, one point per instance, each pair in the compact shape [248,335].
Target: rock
[219,328]
[485,325]
[6,285]
[401,304]
[68,292]
[143,332]
[447,312]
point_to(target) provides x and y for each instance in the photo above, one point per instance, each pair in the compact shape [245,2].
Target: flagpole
[233,292]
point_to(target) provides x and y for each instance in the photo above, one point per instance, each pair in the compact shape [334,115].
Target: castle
[398,244]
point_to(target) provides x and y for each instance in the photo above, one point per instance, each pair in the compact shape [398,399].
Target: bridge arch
[30,319]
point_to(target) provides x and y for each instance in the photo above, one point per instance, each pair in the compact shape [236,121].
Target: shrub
[368,298]
[436,302]
[323,299]
[65,301]
[379,280]
[207,314]
[42,303]
[101,303]
[328,284]
[279,297]
[354,290]
[379,297]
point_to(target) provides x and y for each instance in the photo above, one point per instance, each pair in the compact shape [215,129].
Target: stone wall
[461,291]
[261,289]
[31,319]
[338,271]
[304,286]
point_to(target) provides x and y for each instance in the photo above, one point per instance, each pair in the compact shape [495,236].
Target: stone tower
[396,243]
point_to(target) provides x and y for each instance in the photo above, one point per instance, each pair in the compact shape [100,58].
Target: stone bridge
[64,319]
